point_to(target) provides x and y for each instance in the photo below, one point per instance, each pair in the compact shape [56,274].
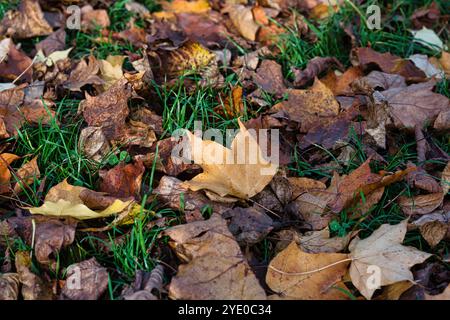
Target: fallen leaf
[384,250]
[9,286]
[92,19]
[309,107]
[248,225]
[27,173]
[144,284]
[5,174]
[269,78]
[428,38]
[423,63]
[421,204]
[433,232]
[111,70]
[33,287]
[389,63]
[442,296]
[27,22]
[340,84]
[17,64]
[394,291]
[175,194]
[215,268]
[445,179]
[83,74]
[426,17]
[443,63]
[224,178]
[242,18]
[419,178]
[65,200]
[294,274]
[314,69]
[86,280]
[93,143]
[123,181]
[54,42]
[184,6]
[320,242]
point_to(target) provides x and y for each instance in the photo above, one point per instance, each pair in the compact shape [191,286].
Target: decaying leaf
[83,74]
[383,249]
[33,287]
[27,173]
[86,280]
[269,78]
[242,18]
[9,286]
[66,200]
[320,242]
[433,232]
[309,107]
[123,181]
[5,174]
[294,274]
[92,19]
[216,268]
[223,172]
[27,22]
[314,69]
[421,204]
[111,70]
[144,284]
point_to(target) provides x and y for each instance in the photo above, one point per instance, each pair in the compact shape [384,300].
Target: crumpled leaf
[176,195]
[66,200]
[86,280]
[314,69]
[83,74]
[320,241]
[5,174]
[341,84]
[92,19]
[144,284]
[93,143]
[294,274]
[54,42]
[215,268]
[419,178]
[426,16]
[433,232]
[248,225]
[389,63]
[383,249]
[239,180]
[27,173]
[9,286]
[27,22]
[33,287]
[309,107]
[242,18]
[421,204]
[423,63]
[111,70]
[16,64]
[122,181]
[269,78]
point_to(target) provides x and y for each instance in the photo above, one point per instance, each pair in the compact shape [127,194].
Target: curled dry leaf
[66,200]
[9,286]
[314,69]
[242,18]
[83,74]
[320,241]
[223,172]
[93,143]
[123,181]
[248,225]
[421,204]
[176,195]
[5,174]
[309,107]
[27,173]
[294,274]
[25,23]
[144,284]
[419,178]
[215,268]
[86,280]
[383,249]
[433,232]
[111,70]
[33,287]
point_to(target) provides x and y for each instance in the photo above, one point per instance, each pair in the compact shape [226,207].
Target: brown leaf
[215,268]
[54,42]
[92,19]
[174,194]
[421,204]
[340,84]
[86,280]
[419,178]
[27,22]
[433,232]
[442,122]
[184,6]
[389,63]
[248,225]
[242,18]
[426,17]
[269,77]
[314,69]
[309,107]
[294,274]
[33,287]
[9,286]
[123,181]
[108,110]
[27,173]
[233,106]
[83,74]
[16,64]
[144,284]
[51,236]
[394,291]
[445,295]
[445,179]
[5,174]
[320,241]
[93,143]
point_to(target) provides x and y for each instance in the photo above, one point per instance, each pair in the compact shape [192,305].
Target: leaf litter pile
[95,207]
